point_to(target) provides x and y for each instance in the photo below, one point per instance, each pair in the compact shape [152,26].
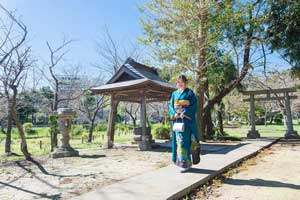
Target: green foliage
[259,111]
[101,127]
[161,131]
[123,128]
[53,124]
[222,72]
[78,130]
[283,31]
[278,118]
[28,128]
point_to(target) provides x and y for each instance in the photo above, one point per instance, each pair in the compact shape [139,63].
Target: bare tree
[58,82]
[13,66]
[132,110]
[112,53]
[56,56]
[14,74]
[90,107]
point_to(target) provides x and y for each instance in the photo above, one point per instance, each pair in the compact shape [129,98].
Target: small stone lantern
[65,116]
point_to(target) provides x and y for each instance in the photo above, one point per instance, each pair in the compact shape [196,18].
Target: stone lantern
[65,116]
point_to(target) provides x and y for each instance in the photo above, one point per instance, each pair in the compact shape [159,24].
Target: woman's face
[180,84]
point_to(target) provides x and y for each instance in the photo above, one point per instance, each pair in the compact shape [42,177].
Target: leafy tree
[283,31]
[186,36]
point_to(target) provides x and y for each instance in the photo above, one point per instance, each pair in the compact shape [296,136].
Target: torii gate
[290,132]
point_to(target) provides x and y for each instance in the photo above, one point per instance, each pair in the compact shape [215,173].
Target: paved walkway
[169,183]
[274,174]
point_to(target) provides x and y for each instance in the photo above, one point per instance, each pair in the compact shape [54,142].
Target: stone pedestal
[65,116]
[253,134]
[291,135]
[145,143]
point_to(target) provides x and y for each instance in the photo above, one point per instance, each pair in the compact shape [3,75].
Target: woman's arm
[191,110]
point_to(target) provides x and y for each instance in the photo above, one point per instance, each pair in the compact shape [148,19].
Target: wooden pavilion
[136,83]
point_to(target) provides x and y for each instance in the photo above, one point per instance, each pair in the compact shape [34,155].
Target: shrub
[278,118]
[122,128]
[53,124]
[28,128]
[77,130]
[161,131]
[101,127]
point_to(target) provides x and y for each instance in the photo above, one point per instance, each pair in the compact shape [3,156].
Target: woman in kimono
[183,108]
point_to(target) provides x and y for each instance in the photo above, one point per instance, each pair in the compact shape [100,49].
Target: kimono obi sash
[180,105]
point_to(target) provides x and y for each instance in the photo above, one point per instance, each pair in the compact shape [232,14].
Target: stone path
[273,174]
[169,183]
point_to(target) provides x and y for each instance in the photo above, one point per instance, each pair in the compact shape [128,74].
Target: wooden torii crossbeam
[271,94]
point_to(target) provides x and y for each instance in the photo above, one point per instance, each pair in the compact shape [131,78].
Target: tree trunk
[266,116]
[209,127]
[24,148]
[91,130]
[134,122]
[53,138]
[132,118]
[201,75]
[220,118]
[9,128]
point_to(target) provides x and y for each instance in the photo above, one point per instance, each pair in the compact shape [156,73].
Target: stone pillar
[290,133]
[253,133]
[145,143]
[111,122]
[65,116]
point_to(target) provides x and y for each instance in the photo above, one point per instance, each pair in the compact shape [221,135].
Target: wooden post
[253,133]
[145,143]
[290,133]
[111,122]
[143,115]
[252,112]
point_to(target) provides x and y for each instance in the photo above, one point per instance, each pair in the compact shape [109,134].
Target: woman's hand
[177,115]
[184,116]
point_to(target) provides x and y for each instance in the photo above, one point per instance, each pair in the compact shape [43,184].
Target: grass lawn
[265,131]
[42,137]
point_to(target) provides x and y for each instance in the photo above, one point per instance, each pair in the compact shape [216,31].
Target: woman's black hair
[182,78]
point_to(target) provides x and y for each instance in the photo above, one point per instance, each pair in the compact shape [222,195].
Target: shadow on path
[91,156]
[200,171]
[56,196]
[262,183]
[207,148]
[43,170]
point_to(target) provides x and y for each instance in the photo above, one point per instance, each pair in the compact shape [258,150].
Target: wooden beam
[270,91]
[270,98]
[111,122]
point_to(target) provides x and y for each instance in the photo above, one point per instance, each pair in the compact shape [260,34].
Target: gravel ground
[273,175]
[66,177]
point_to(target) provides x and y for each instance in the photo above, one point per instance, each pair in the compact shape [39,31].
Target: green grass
[265,131]
[42,136]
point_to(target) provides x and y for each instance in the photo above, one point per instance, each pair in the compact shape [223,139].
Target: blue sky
[82,20]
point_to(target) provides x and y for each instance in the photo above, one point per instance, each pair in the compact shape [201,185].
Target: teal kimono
[184,102]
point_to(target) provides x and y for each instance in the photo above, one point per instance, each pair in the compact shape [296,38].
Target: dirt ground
[273,175]
[66,177]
